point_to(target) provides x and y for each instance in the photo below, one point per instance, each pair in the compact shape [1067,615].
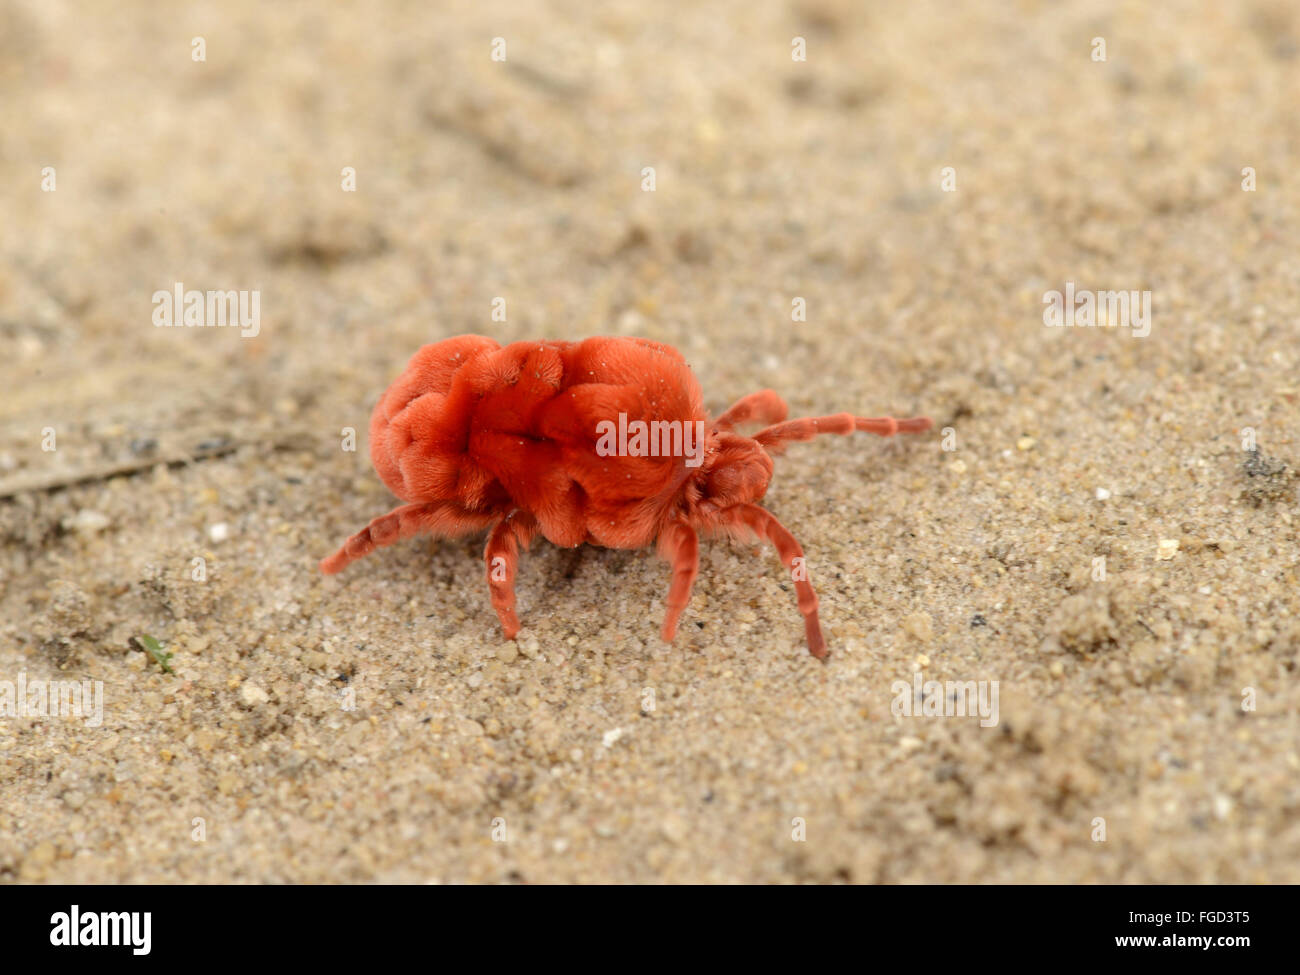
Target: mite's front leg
[680,545]
[764,524]
[502,557]
[764,407]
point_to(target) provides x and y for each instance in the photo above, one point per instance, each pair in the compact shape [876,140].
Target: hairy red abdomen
[488,427]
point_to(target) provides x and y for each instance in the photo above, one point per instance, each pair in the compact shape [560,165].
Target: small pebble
[87,522]
[42,854]
[250,695]
[1167,549]
[918,627]
[674,828]
[219,532]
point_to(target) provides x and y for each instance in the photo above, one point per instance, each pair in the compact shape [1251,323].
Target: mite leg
[761,407]
[681,546]
[512,532]
[764,524]
[435,517]
[844,423]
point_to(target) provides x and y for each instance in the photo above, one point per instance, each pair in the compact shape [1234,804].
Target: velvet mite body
[604,441]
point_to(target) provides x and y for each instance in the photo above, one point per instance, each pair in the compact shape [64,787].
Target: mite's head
[736,470]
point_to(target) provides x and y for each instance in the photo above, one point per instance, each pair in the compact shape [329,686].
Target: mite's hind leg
[762,407]
[514,531]
[444,518]
[681,546]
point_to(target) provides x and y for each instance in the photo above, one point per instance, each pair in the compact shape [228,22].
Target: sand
[375,726]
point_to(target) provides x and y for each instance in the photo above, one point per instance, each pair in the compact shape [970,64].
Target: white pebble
[86,521]
[1103,494]
[219,532]
[611,737]
[251,695]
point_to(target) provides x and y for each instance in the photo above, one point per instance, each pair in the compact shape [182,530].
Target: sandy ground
[375,726]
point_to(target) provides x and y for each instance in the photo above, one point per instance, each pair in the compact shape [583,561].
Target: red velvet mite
[604,441]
